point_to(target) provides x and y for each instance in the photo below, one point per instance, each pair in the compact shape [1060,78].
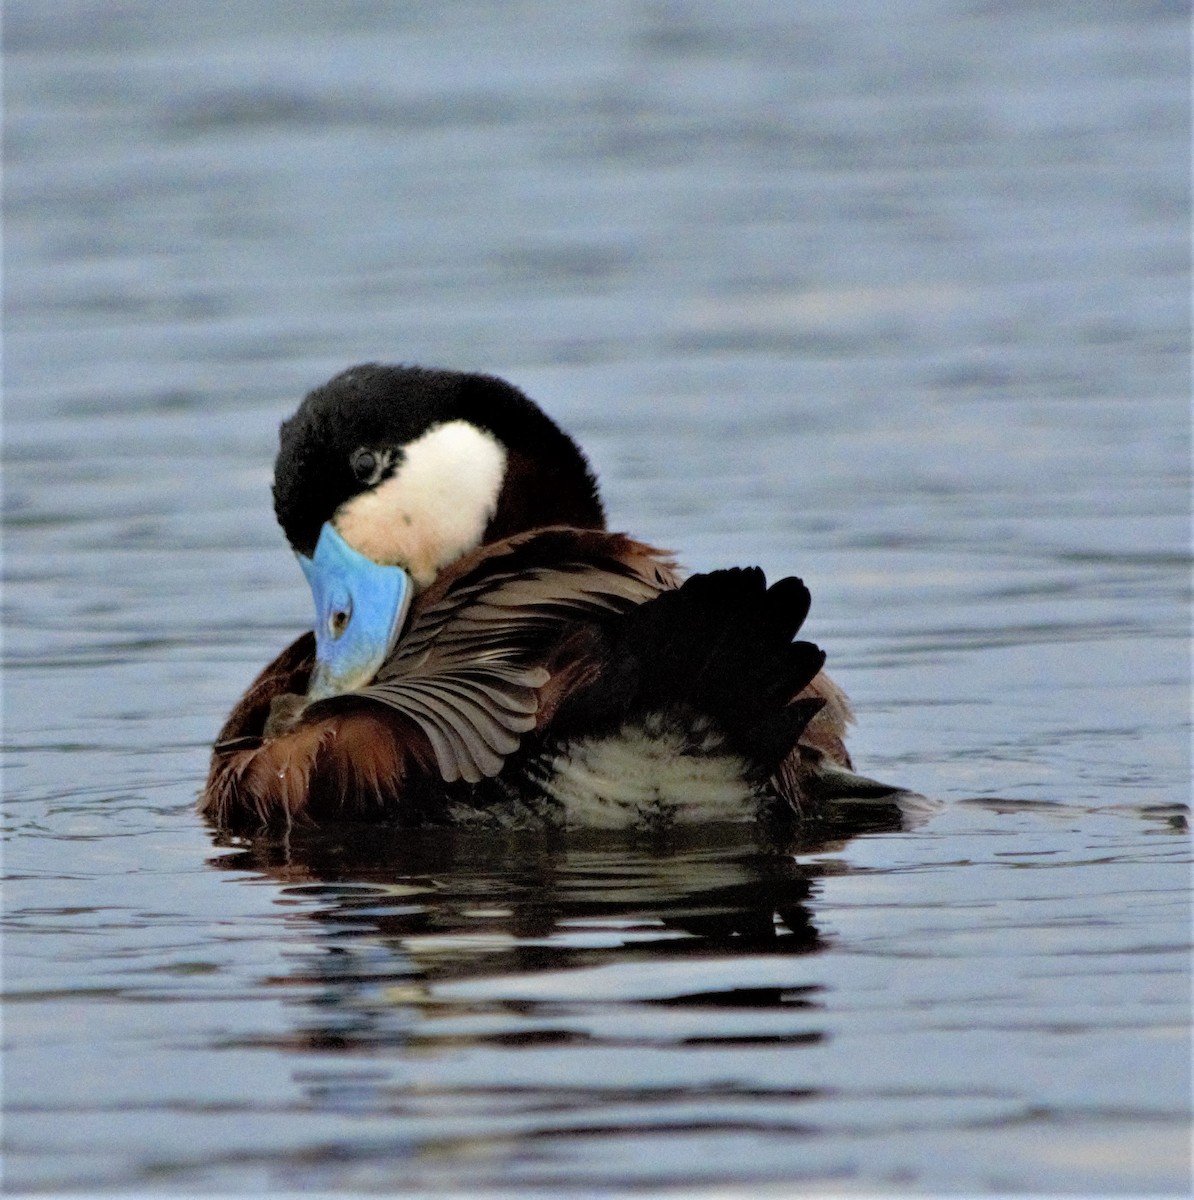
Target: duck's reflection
[403,918]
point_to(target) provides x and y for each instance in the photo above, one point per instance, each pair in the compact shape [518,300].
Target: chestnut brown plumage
[522,645]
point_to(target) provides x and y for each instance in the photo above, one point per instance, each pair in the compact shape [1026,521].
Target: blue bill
[359,610]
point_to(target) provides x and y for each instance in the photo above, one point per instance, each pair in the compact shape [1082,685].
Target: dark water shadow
[395,914]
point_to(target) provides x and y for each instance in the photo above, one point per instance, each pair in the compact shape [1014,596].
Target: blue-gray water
[893,296]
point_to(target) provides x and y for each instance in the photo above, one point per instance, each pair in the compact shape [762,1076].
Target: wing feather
[468,670]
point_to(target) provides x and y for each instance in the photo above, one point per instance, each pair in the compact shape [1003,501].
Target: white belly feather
[649,776]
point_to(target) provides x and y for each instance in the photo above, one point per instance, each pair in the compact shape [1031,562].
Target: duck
[486,652]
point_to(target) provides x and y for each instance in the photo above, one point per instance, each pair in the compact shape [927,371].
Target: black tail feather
[721,645]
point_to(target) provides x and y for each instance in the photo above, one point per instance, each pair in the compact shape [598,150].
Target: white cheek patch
[434,508]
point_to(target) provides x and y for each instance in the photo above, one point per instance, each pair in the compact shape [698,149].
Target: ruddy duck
[485,652]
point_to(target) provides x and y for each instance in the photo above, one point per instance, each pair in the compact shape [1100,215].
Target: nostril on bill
[338,621]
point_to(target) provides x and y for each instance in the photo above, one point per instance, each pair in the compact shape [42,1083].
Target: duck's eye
[366,465]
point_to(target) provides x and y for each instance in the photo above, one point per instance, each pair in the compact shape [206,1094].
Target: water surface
[892,298]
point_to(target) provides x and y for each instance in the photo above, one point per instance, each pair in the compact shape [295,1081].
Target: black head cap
[547,481]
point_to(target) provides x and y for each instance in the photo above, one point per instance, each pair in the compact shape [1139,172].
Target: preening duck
[486,652]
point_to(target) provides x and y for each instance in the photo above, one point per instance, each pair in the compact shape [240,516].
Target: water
[895,297]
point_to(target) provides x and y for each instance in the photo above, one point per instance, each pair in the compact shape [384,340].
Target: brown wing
[822,744]
[827,730]
[469,668]
[456,696]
